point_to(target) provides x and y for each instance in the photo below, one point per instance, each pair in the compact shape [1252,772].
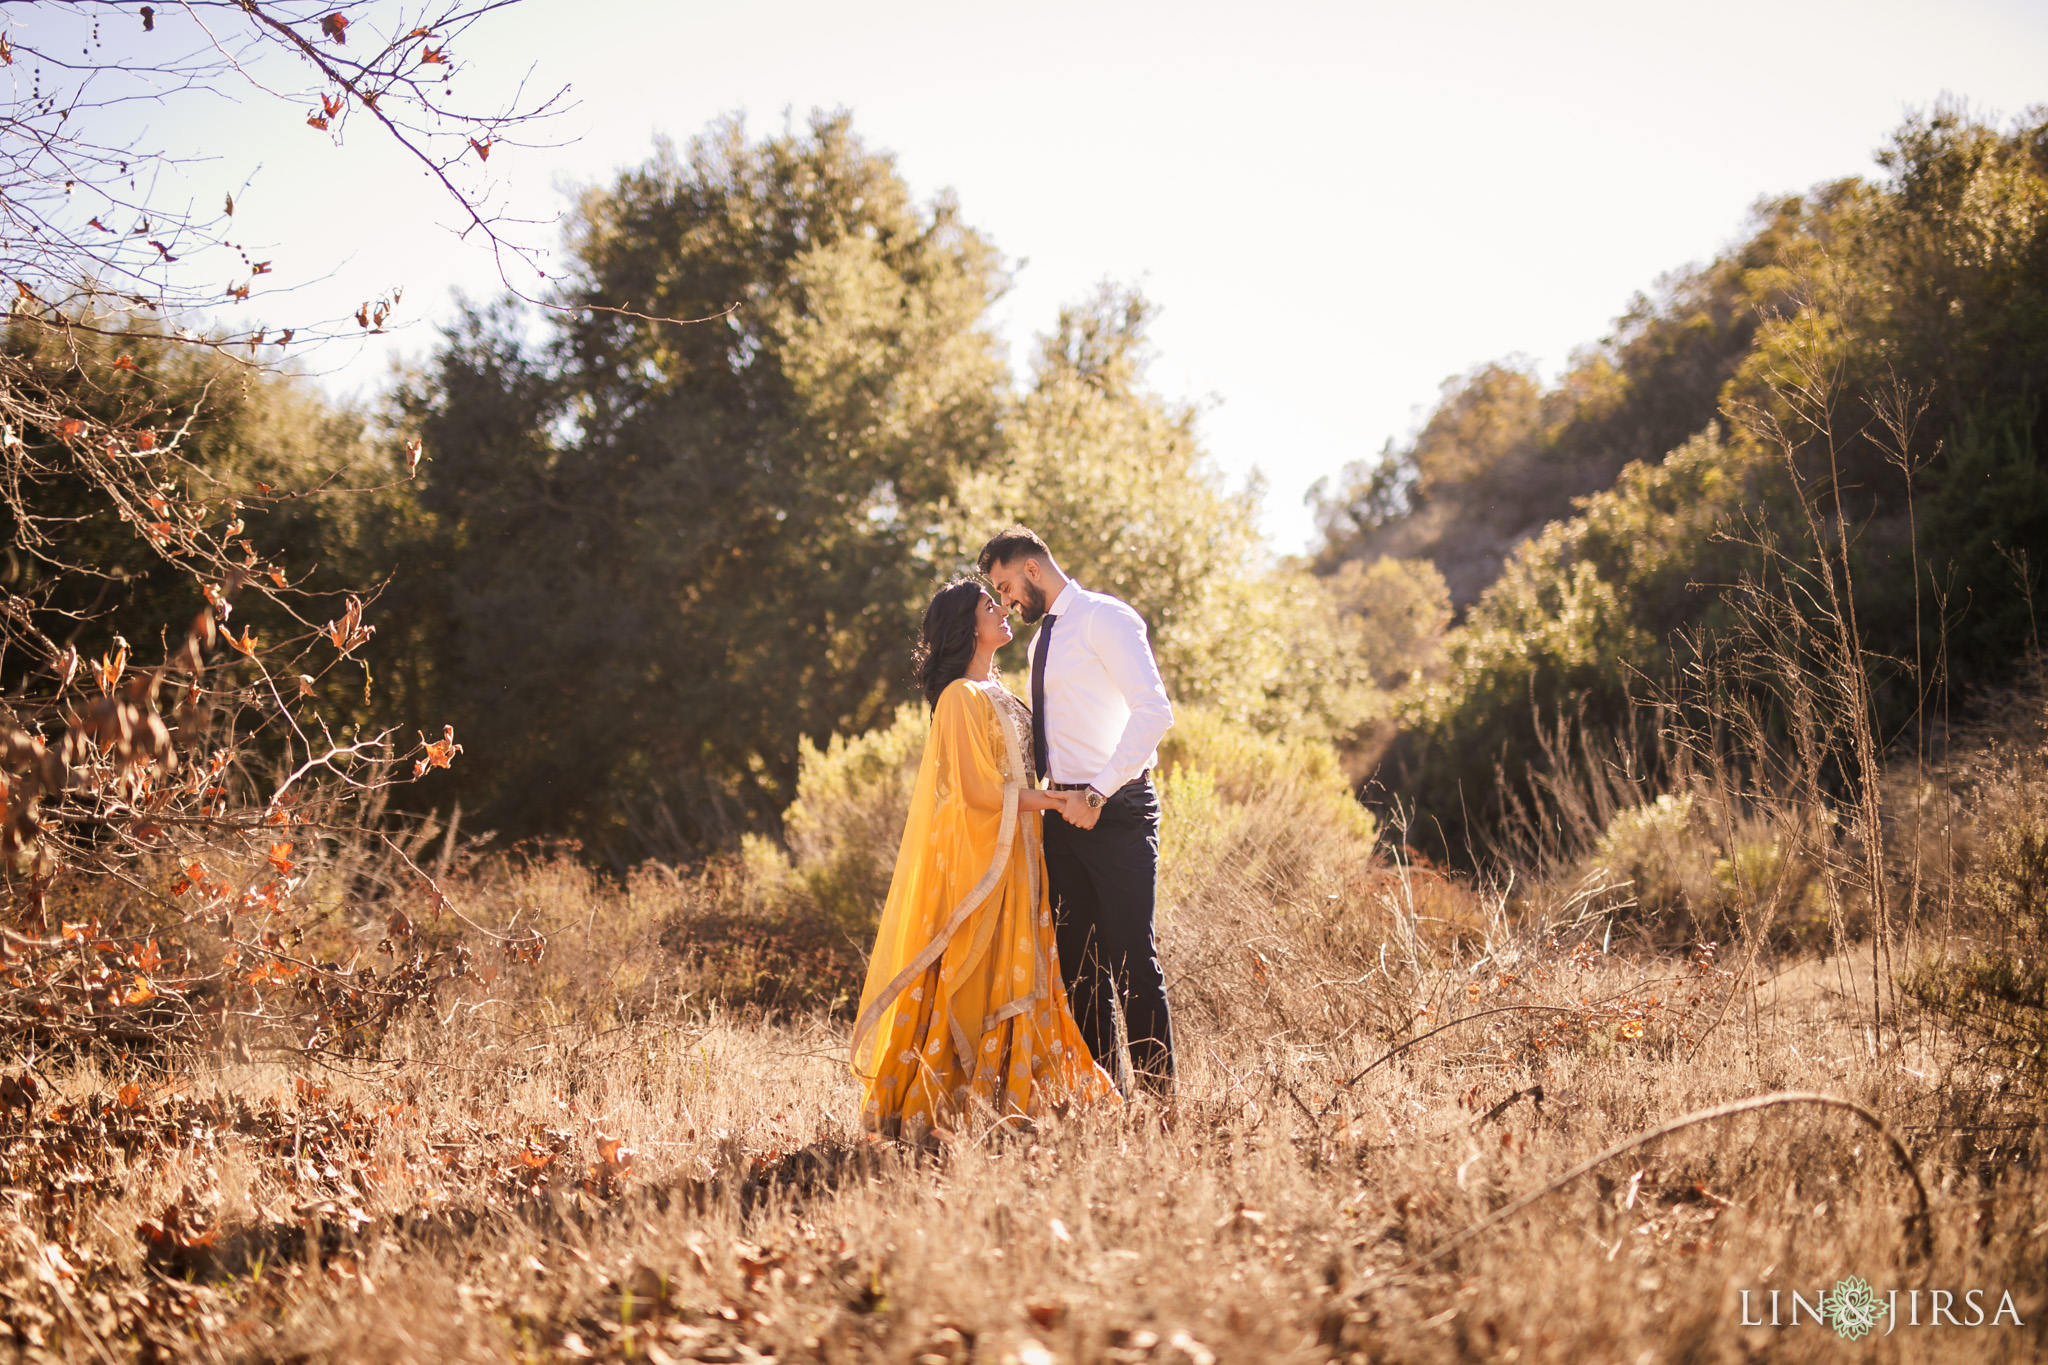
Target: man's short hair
[1019,542]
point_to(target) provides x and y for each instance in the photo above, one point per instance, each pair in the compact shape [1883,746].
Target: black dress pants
[1103,884]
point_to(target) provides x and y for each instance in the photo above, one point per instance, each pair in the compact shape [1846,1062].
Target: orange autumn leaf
[142,991]
[126,362]
[434,54]
[316,121]
[145,440]
[70,427]
[150,958]
[110,670]
[335,26]
[247,644]
[131,1095]
[439,754]
[281,858]
[483,149]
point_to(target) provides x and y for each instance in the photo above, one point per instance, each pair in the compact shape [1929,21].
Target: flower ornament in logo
[1853,1307]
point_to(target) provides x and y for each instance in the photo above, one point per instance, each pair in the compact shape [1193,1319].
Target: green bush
[1662,862]
[1218,779]
[1255,809]
[1998,994]
[1655,853]
[852,798]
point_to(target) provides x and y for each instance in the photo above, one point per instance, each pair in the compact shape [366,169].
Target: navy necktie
[1041,759]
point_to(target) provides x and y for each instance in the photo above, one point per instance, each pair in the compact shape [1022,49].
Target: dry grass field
[631,1151]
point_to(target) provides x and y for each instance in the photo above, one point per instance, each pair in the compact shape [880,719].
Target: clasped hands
[1074,809]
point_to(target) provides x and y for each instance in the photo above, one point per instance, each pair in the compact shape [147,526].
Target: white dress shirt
[1105,708]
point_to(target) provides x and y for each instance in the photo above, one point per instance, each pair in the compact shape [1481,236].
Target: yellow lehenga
[964,1009]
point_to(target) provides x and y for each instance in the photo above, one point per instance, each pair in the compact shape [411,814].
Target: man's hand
[1079,813]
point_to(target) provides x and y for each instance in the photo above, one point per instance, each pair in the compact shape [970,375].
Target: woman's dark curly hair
[945,642]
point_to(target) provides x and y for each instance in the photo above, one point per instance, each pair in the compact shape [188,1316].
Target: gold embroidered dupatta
[963,1000]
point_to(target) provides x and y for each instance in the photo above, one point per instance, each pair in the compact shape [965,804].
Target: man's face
[1018,588]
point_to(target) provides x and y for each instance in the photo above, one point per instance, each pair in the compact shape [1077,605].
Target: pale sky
[1335,205]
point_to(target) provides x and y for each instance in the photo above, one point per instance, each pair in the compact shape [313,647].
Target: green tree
[660,554]
[1115,477]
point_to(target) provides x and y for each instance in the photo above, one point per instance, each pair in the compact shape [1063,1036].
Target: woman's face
[991,624]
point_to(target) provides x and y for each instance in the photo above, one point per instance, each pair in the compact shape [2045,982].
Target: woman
[963,1004]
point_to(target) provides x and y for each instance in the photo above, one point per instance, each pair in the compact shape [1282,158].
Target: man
[1098,712]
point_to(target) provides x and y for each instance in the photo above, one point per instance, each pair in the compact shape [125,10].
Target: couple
[1026,875]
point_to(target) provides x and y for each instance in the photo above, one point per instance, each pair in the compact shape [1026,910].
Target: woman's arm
[1033,799]
[969,771]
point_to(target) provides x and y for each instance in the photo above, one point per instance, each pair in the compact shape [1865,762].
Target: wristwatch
[1095,799]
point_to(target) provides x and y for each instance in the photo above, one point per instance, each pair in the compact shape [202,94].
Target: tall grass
[643,1145]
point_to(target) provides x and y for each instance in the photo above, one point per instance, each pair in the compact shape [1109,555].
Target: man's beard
[1032,608]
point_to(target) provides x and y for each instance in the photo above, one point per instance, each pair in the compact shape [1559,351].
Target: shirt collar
[1069,598]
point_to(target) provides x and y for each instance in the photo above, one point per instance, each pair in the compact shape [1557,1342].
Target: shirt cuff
[1107,781]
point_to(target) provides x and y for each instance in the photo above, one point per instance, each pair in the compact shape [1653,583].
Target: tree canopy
[648,559]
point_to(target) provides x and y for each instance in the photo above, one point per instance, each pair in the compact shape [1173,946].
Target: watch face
[1094,799]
